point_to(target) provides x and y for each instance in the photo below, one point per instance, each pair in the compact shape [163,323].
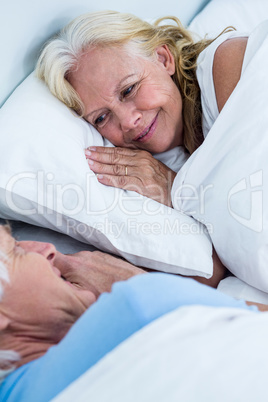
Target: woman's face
[133,102]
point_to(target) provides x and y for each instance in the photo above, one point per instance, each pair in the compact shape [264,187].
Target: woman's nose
[129,119]
[47,250]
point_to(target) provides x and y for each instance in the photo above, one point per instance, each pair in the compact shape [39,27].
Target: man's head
[36,302]
[43,293]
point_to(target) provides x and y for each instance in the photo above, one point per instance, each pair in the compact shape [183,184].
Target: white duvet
[195,353]
[224,184]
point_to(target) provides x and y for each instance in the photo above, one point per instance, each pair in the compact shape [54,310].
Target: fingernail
[99,176]
[90,162]
[88,153]
[92,148]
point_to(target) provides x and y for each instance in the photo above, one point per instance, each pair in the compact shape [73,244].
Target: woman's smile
[148,132]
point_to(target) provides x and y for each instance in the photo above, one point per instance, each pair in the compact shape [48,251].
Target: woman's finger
[134,170]
[117,156]
[123,182]
[112,150]
[117,170]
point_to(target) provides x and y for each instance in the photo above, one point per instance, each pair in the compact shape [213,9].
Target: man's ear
[165,57]
[4,321]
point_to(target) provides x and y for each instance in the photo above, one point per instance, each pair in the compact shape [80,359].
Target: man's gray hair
[7,357]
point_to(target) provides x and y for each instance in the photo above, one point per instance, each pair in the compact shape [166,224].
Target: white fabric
[223,184]
[240,290]
[193,354]
[45,180]
[204,73]
[244,15]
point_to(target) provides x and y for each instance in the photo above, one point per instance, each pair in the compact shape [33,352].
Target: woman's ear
[165,57]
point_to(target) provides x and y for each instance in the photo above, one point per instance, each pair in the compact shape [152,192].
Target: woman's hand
[134,170]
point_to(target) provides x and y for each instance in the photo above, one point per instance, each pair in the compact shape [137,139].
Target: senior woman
[141,86]
[52,329]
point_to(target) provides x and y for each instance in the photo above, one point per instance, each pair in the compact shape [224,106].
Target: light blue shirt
[113,318]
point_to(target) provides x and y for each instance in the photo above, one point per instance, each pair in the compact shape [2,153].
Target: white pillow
[32,26]
[244,15]
[45,180]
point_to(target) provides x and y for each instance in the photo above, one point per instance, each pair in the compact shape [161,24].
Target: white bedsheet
[195,353]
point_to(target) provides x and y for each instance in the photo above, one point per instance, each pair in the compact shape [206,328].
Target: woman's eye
[127,91]
[100,119]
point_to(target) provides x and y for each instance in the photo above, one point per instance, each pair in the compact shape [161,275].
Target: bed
[47,198]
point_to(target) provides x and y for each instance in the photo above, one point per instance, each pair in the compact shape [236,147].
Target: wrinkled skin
[133,170]
[95,271]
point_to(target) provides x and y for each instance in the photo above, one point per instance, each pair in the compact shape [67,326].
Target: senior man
[50,318]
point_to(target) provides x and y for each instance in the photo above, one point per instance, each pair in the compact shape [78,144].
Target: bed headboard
[25,25]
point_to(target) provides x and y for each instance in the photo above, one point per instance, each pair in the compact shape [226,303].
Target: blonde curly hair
[61,55]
